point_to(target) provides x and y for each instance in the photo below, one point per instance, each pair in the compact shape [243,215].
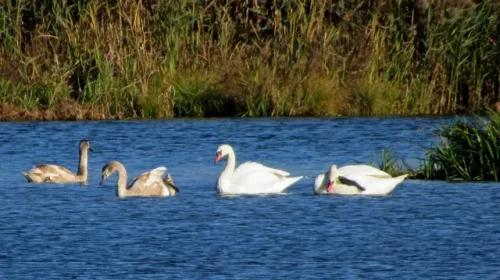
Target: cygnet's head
[108,169]
[85,145]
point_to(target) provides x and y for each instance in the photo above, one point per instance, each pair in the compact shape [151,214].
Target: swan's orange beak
[217,157]
[329,188]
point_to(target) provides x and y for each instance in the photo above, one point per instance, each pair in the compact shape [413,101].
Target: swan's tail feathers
[400,179]
[36,177]
[285,183]
[403,176]
[28,177]
[295,179]
[395,182]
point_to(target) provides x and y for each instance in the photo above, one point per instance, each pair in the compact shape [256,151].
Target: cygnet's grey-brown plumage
[169,181]
[51,173]
[147,184]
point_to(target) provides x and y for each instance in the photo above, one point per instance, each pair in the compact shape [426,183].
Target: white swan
[51,173]
[356,179]
[149,183]
[249,177]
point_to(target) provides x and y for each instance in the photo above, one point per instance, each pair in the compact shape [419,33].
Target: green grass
[469,151]
[388,163]
[201,96]
[205,58]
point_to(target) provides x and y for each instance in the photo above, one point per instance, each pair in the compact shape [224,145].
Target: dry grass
[148,59]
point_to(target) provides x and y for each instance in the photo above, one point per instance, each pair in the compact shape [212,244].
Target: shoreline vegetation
[469,150]
[77,59]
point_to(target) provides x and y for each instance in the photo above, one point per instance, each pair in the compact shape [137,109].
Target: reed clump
[199,58]
[388,163]
[470,151]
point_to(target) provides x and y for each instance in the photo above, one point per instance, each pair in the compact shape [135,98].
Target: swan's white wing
[255,178]
[345,190]
[362,169]
[376,184]
[251,167]
[254,181]
[149,179]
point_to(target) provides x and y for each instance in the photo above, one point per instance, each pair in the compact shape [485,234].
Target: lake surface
[423,230]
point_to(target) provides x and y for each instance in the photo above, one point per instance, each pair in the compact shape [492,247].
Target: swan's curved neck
[328,177]
[121,184]
[321,186]
[225,176]
[230,165]
[82,165]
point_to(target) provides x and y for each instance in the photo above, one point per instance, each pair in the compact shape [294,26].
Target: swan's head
[108,169]
[222,151]
[85,145]
[332,178]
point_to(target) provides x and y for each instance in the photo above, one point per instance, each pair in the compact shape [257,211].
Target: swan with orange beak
[249,177]
[356,179]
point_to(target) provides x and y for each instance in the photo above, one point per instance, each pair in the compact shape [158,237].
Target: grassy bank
[153,59]
[469,151]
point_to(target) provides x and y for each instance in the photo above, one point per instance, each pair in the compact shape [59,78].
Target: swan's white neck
[321,182]
[225,176]
[328,177]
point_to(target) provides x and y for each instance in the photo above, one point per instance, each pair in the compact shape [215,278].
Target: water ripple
[423,230]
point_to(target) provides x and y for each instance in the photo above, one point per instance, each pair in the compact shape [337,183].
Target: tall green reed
[470,150]
[263,58]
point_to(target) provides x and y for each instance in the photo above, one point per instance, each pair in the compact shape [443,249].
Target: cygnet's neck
[121,184]
[82,173]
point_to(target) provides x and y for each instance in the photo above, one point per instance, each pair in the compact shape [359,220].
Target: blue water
[423,230]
